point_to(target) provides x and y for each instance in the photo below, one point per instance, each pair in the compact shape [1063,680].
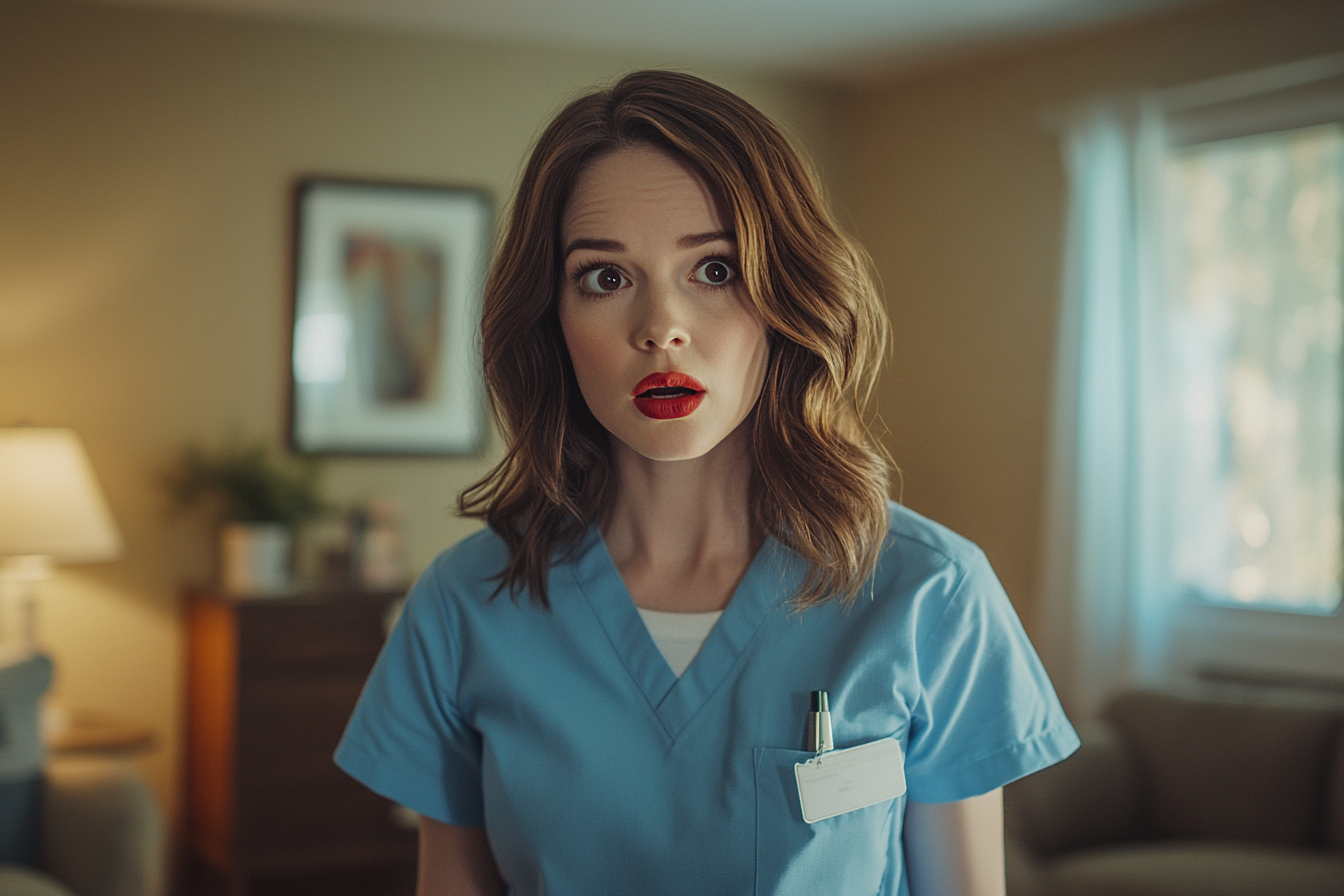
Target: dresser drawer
[295,718]
[272,683]
[286,637]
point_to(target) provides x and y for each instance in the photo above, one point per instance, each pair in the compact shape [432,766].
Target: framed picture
[387,298]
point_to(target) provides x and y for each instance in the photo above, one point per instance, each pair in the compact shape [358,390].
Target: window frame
[1211,642]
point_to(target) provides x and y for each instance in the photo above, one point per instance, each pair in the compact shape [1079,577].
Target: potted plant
[259,500]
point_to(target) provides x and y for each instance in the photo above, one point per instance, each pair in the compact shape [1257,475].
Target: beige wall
[145,167]
[957,190]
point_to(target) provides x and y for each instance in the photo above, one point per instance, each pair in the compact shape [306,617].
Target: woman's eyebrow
[595,245]
[690,241]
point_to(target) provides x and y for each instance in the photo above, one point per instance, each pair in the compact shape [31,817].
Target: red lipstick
[667,396]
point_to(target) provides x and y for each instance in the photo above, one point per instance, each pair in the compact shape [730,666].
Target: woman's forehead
[622,189]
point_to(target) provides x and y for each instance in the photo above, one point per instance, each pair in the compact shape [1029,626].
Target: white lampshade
[50,503]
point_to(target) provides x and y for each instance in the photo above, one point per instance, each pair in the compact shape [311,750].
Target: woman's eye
[715,273]
[602,280]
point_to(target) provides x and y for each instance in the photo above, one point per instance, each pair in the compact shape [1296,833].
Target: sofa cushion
[1088,799]
[102,829]
[16,881]
[21,688]
[22,685]
[1334,800]
[1197,869]
[1215,771]
[20,814]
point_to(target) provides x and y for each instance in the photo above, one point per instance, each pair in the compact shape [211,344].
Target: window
[1195,456]
[1253,294]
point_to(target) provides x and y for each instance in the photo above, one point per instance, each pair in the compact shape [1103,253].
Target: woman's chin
[673,444]
[667,450]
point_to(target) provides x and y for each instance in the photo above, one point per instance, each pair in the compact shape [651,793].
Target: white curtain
[1104,588]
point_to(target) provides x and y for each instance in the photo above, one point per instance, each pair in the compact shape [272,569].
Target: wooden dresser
[271,683]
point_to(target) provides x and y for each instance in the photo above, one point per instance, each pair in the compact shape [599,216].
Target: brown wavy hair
[820,482]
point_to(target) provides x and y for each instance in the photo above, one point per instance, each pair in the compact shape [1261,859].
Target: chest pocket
[849,853]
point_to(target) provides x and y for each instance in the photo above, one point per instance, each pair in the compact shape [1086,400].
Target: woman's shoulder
[914,537]
[475,561]
[930,574]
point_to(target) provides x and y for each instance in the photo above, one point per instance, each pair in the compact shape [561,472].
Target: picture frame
[384,349]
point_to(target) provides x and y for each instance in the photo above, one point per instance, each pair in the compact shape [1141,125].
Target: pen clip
[819,739]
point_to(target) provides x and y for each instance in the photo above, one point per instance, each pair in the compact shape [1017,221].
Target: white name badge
[844,780]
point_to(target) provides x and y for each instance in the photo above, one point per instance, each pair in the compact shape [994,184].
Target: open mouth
[667,396]
[667,392]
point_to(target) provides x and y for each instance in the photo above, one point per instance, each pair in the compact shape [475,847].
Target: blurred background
[149,153]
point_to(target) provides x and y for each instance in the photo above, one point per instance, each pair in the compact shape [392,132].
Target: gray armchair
[102,835]
[69,827]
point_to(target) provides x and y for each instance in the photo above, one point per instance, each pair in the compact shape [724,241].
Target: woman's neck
[680,532]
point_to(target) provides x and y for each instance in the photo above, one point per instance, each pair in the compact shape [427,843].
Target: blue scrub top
[596,771]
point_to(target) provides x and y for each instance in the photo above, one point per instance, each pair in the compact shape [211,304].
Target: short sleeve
[986,714]
[406,739]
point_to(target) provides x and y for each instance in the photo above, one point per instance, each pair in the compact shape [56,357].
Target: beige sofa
[1177,797]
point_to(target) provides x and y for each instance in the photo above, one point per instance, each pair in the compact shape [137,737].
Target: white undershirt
[679,636]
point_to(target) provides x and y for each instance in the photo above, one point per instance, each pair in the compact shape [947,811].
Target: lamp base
[18,609]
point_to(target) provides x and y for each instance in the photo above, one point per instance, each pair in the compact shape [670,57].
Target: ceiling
[829,38]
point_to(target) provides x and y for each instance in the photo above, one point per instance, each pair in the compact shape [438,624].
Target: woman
[606,690]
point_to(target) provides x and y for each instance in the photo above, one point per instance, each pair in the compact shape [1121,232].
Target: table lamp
[51,512]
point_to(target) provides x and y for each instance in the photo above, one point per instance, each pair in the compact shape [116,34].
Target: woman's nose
[661,322]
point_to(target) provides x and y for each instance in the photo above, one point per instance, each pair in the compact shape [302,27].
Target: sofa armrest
[1089,799]
[102,831]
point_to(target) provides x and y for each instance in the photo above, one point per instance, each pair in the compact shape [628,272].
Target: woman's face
[668,352]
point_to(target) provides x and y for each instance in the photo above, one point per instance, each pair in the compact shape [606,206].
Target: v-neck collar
[768,581]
